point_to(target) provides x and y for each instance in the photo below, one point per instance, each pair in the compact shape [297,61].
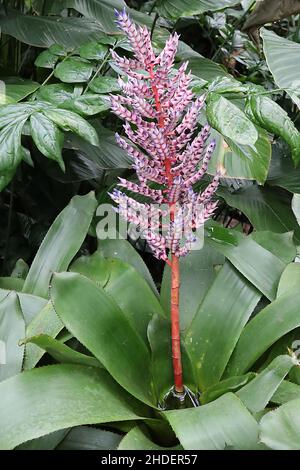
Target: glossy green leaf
[203,68]
[196,428]
[197,272]
[93,50]
[290,278]
[229,120]
[257,394]
[10,145]
[56,93]
[269,115]
[280,429]
[104,85]
[96,320]
[44,31]
[228,385]
[46,60]
[261,267]
[282,58]
[70,121]
[227,85]
[47,137]
[123,250]
[72,225]
[87,104]
[88,438]
[282,169]
[14,112]
[137,439]
[125,285]
[218,323]
[274,321]
[266,208]
[19,90]
[176,9]
[31,305]
[45,322]
[73,70]
[61,352]
[12,329]
[50,398]
[57,49]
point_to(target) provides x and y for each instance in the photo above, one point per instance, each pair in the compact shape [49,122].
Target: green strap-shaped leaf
[177,8]
[261,267]
[229,120]
[218,323]
[137,439]
[10,145]
[31,305]
[47,137]
[280,429]
[95,319]
[88,438]
[45,322]
[50,398]
[61,352]
[228,385]
[257,394]
[269,115]
[61,243]
[286,391]
[290,278]
[274,321]
[12,329]
[70,121]
[224,423]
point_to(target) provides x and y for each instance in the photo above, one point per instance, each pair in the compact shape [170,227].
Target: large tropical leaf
[282,58]
[224,423]
[61,243]
[96,320]
[218,323]
[177,8]
[44,400]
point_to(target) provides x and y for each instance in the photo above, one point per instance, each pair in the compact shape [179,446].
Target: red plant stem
[175,271]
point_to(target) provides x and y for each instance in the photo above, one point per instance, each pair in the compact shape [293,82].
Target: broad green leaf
[218,323]
[286,391]
[296,206]
[87,104]
[19,90]
[12,329]
[56,93]
[26,156]
[47,137]
[61,352]
[282,58]
[70,121]
[14,112]
[257,394]
[123,250]
[269,115]
[137,439]
[50,398]
[96,320]
[57,49]
[203,68]
[290,278]
[228,385]
[176,9]
[61,243]
[10,145]
[46,60]
[261,267]
[196,428]
[281,245]
[197,272]
[104,85]
[46,322]
[274,321]
[280,429]
[266,208]
[44,31]
[125,285]
[31,305]
[227,85]
[229,120]
[73,70]
[47,442]
[282,169]
[88,438]
[93,50]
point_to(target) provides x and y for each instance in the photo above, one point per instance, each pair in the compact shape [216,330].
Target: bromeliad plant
[161,119]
